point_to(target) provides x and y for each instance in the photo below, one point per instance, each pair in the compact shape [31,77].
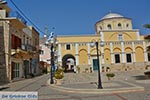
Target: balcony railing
[28,47]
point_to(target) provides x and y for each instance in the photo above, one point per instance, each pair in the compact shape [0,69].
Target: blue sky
[74,17]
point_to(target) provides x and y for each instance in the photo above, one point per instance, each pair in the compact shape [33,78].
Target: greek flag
[52,35]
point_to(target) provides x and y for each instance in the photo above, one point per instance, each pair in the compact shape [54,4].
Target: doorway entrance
[68,63]
[95,66]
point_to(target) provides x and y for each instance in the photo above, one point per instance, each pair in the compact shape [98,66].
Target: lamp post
[95,43]
[52,64]
[52,69]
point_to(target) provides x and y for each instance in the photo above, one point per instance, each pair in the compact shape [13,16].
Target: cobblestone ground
[47,93]
[131,76]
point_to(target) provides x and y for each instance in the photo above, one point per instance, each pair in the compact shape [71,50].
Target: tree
[146,26]
[147,37]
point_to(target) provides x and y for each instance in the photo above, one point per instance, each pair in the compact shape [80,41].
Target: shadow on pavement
[140,77]
[3,88]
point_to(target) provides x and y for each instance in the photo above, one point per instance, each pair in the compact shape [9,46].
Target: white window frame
[66,46]
[127,25]
[16,70]
[109,28]
[119,27]
[120,37]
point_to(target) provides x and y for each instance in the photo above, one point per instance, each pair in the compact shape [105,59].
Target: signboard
[18,95]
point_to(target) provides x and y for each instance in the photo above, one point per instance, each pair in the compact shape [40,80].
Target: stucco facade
[19,47]
[124,47]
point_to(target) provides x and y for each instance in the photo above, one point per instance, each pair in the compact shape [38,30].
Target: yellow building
[124,48]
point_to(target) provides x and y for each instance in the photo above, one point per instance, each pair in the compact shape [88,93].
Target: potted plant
[110,75]
[59,75]
[147,66]
[86,70]
[147,74]
[103,69]
[107,69]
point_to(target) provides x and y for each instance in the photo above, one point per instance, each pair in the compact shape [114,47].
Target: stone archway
[68,62]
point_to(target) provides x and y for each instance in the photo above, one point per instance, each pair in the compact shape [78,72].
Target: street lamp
[95,43]
[52,63]
[51,40]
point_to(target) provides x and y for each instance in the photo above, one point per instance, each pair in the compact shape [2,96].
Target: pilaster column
[59,54]
[123,53]
[101,36]
[77,53]
[111,53]
[145,52]
[102,55]
[133,48]
[138,35]
[89,61]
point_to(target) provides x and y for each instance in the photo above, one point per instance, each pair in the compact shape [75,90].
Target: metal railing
[28,47]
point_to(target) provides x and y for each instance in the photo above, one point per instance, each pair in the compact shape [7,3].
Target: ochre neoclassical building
[124,47]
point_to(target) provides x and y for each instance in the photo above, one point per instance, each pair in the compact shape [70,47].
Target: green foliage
[59,74]
[59,70]
[148,49]
[110,74]
[146,26]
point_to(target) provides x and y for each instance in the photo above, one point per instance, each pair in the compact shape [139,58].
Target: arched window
[127,25]
[109,26]
[120,37]
[119,26]
[100,28]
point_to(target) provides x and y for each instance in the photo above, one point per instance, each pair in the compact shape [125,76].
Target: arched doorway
[68,62]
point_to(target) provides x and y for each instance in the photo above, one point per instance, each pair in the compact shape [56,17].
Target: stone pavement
[87,83]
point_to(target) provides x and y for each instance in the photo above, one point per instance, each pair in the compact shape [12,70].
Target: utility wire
[26,17]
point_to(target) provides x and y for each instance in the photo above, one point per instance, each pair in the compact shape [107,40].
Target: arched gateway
[68,62]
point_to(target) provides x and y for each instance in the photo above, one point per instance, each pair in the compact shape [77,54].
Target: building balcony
[19,53]
[28,47]
[26,51]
